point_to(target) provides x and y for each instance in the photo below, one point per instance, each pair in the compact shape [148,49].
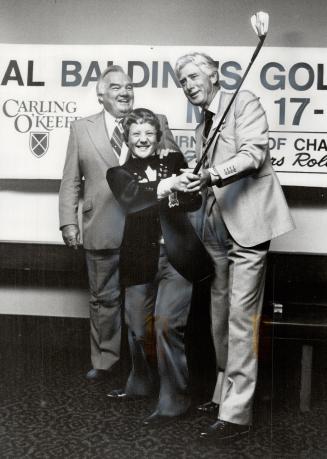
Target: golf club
[259,23]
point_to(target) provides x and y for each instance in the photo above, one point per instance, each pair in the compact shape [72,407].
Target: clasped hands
[188,182]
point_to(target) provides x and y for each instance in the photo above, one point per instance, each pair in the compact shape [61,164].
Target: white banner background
[44,87]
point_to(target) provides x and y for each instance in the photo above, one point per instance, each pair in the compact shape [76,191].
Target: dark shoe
[209,408]
[95,375]
[120,394]
[223,430]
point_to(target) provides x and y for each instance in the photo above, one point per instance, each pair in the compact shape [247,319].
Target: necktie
[207,123]
[117,138]
[208,120]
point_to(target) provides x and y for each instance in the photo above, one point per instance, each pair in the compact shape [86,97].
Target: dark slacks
[105,307]
[168,297]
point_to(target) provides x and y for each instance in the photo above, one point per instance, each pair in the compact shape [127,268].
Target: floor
[48,410]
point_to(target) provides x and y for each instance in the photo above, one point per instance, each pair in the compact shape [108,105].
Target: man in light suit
[244,209]
[95,144]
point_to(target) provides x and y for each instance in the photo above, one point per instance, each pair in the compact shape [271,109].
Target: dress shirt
[214,105]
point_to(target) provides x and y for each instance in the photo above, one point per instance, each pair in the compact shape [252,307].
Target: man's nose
[188,85]
[123,91]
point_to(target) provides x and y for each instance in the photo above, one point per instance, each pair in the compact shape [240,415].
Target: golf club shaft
[217,130]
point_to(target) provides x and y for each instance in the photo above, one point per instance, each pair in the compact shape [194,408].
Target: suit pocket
[87,206]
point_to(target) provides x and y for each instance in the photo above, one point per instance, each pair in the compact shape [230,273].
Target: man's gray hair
[102,81]
[201,60]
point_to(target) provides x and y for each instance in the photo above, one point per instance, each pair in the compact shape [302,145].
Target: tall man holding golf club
[244,209]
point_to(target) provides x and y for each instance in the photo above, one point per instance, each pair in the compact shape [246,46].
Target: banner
[43,88]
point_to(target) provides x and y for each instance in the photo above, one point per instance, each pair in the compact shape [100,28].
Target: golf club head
[260,23]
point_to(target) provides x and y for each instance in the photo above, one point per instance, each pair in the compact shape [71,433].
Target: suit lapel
[221,108]
[199,133]
[98,134]
[199,140]
[218,115]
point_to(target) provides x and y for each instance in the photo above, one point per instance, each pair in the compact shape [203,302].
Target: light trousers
[236,303]
[105,307]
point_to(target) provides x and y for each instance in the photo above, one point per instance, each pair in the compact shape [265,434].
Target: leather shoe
[223,430]
[120,394]
[95,375]
[209,408]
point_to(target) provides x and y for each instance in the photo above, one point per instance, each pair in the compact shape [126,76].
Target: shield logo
[39,143]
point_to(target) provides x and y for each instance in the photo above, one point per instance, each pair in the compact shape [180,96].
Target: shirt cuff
[164,187]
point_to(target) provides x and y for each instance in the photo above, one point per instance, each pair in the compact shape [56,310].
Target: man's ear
[100,98]
[214,77]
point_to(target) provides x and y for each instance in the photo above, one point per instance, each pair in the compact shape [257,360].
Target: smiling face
[142,139]
[199,87]
[118,96]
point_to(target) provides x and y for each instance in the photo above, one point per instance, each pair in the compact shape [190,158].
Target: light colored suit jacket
[249,196]
[89,155]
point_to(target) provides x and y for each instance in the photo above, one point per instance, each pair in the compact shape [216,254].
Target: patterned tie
[117,138]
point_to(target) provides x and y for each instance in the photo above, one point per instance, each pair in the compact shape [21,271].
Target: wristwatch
[215,177]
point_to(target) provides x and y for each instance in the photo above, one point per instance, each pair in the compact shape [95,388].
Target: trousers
[105,307]
[236,302]
[168,298]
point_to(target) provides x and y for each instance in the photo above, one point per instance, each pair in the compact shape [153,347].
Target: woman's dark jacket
[148,218]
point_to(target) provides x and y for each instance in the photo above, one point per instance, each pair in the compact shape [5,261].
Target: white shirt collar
[214,105]
[111,122]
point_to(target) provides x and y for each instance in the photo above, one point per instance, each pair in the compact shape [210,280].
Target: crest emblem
[39,143]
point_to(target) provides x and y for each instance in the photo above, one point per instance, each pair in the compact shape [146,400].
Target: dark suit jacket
[148,218]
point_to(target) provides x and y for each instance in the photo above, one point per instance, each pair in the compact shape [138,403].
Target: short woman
[160,257]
